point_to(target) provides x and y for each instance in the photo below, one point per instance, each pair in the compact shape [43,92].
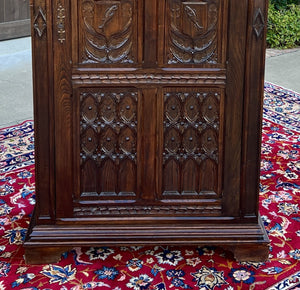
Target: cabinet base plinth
[251,253]
[248,242]
[44,255]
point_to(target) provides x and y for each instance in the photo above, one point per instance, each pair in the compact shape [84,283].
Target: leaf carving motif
[101,46]
[193,16]
[197,47]
[109,13]
[146,210]
[61,23]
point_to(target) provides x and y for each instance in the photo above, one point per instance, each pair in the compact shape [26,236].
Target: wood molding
[240,239]
[147,78]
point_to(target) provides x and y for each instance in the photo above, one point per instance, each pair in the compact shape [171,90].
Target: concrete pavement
[16,103]
[282,68]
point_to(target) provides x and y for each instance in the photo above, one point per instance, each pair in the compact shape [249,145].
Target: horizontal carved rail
[142,210]
[147,78]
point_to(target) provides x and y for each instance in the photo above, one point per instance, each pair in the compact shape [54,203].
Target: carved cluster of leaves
[186,48]
[102,47]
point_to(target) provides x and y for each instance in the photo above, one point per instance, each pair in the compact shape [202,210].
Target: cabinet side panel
[254,78]
[237,29]
[63,106]
[42,92]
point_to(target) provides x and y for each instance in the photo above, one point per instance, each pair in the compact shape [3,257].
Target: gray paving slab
[16,103]
[282,68]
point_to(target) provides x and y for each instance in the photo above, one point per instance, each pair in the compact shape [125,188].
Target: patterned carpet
[162,267]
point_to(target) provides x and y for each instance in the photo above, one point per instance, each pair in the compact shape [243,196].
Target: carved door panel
[106,117]
[193,33]
[107,32]
[191,120]
[108,143]
[140,106]
[191,142]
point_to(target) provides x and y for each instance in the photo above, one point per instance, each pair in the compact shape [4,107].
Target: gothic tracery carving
[108,125]
[191,139]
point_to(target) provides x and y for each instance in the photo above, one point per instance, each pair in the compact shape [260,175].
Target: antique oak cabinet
[147,124]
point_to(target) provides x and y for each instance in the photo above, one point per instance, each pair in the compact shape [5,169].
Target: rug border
[15,125]
[282,88]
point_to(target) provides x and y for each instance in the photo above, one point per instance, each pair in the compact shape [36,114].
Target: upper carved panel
[107,31]
[192,32]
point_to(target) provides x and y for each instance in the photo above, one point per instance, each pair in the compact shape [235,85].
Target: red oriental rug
[162,267]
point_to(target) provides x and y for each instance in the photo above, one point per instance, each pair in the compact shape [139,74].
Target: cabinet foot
[44,255]
[250,253]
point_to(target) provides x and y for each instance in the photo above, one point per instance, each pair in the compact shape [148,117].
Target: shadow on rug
[162,267]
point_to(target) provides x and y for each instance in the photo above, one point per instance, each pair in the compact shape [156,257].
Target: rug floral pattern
[160,267]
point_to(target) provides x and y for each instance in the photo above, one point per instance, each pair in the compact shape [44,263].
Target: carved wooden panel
[193,34]
[107,32]
[108,146]
[191,138]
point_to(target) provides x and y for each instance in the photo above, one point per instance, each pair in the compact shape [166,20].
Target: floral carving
[61,23]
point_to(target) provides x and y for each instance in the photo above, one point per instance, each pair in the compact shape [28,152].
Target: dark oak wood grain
[148,124]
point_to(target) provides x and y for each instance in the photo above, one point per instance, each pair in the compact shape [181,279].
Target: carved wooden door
[153,111]
[147,108]
[140,111]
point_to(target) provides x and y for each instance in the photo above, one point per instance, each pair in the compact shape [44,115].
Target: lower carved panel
[108,146]
[191,151]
